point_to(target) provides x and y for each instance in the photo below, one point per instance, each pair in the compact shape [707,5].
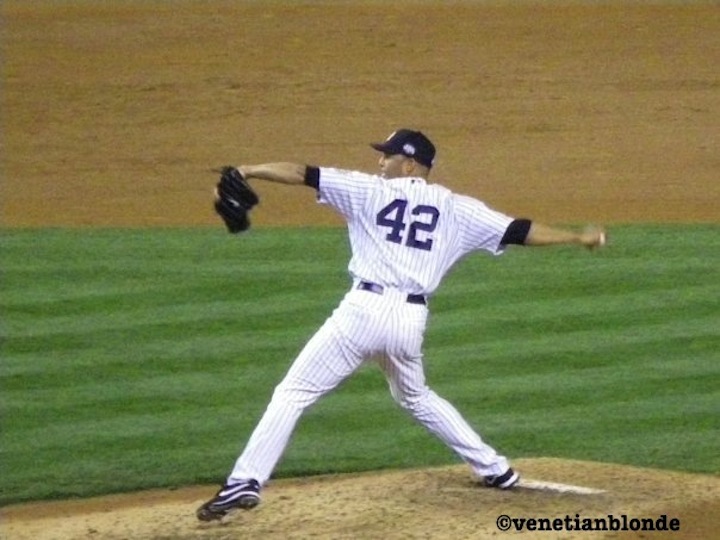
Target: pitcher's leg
[322,365]
[403,369]
[443,420]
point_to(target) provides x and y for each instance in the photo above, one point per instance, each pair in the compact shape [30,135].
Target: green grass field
[143,358]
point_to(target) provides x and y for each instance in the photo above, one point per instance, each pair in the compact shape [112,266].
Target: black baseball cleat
[245,495]
[503,481]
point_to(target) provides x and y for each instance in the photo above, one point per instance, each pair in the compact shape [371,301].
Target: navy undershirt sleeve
[312,176]
[517,232]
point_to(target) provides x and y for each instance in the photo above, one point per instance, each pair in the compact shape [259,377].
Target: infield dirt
[113,114]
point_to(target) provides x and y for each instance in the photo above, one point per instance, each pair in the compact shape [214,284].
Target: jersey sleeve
[345,191]
[482,228]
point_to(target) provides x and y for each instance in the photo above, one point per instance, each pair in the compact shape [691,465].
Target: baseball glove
[235,198]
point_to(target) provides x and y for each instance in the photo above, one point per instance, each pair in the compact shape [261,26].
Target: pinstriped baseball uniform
[405,234]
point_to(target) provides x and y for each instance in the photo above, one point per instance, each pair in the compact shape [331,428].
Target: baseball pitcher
[405,234]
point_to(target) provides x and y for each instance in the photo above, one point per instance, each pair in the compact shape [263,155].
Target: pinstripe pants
[364,326]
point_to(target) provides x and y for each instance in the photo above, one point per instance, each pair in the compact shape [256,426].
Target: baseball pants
[385,328]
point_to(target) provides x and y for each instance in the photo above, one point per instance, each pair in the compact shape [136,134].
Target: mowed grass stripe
[209,346]
[643,302]
[697,333]
[129,316]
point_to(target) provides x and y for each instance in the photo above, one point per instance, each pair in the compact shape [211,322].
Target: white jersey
[406,233]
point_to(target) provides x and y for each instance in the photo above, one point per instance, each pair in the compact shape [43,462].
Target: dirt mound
[437,503]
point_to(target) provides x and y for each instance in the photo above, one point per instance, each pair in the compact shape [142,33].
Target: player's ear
[409,166]
[414,168]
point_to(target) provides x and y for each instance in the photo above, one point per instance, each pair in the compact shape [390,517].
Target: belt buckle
[371,287]
[379,289]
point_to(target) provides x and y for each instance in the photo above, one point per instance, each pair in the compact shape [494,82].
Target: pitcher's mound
[555,498]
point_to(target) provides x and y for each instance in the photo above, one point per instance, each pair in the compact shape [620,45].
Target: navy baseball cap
[409,143]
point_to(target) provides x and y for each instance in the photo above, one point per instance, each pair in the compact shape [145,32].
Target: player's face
[392,165]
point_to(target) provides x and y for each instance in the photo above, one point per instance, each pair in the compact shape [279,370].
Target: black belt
[378,289]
